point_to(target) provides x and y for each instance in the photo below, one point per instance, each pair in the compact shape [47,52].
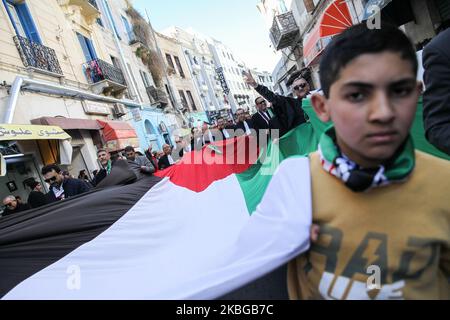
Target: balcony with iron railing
[137,38]
[38,57]
[284,30]
[105,78]
[157,96]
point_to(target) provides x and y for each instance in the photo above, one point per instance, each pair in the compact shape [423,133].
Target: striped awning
[335,19]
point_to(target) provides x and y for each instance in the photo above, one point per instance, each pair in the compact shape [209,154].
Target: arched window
[149,128]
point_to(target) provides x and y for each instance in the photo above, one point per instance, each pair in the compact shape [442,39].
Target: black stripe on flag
[32,240]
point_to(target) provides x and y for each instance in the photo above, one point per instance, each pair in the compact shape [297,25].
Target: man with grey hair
[166,160]
[13,206]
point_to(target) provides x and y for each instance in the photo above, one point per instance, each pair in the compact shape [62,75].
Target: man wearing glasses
[243,126]
[223,131]
[13,206]
[61,188]
[288,110]
[262,120]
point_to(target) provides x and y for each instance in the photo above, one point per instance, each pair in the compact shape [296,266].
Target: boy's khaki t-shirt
[396,237]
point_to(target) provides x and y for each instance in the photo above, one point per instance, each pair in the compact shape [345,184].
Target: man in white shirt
[207,136]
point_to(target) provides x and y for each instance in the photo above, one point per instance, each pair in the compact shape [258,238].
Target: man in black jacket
[436,99]
[243,126]
[36,198]
[262,119]
[166,160]
[223,131]
[61,188]
[288,110]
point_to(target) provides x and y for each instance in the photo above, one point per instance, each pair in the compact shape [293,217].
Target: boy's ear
[319,103]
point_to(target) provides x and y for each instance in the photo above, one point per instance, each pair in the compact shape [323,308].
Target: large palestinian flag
[204,229]
[199,231]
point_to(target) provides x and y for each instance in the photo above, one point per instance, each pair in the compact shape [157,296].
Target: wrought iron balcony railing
[284,30]
[137,37]
[158,96]
[98,70]
[37,56]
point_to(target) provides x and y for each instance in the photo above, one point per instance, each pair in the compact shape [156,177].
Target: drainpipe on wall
[11,106]
[52,88]
[122,56]
[169,85]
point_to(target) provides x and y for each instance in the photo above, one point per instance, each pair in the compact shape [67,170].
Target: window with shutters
[191,100]
[87,47]
[180,69]
[22,21]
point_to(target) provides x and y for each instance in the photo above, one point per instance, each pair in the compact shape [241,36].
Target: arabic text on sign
[14,133]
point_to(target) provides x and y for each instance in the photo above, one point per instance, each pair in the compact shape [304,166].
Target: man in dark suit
[61,188]
[263,121]
[166,160]
[223,131]
[436,99]
[243,126]
[288,111]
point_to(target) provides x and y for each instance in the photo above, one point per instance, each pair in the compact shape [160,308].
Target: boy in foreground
[382,207]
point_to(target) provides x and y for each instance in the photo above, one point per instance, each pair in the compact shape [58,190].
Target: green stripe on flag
[302,141]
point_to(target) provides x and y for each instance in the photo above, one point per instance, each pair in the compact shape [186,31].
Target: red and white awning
[335,19]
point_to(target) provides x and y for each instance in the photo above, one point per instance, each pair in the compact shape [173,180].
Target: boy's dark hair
[129,149]
[101,150]
[359,40]
[50,168]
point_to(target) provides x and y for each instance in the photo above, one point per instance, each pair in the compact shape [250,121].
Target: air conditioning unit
[119,110]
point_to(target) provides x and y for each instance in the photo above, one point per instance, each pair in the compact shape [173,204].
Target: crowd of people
[63,185]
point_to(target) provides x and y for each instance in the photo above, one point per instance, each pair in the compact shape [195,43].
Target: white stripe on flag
[178,244]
